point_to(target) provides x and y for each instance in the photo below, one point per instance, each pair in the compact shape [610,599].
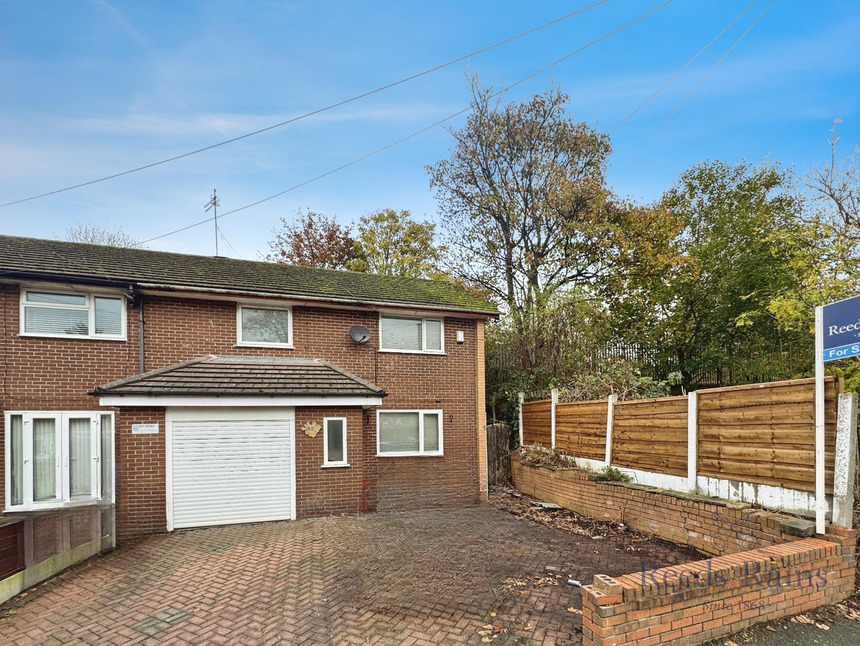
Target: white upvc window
[58,312]
[408,432]
[264,326]
[54,459]
[402,334]
[334,438]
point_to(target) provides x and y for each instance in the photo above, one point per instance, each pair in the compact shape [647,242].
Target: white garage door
[226,467]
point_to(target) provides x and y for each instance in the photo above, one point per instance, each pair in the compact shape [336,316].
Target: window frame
[440,452]
[90,306]
[63,498]
[326,462]
[423,319]
[264,344]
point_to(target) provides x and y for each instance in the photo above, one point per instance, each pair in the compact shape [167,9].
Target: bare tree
[95,234]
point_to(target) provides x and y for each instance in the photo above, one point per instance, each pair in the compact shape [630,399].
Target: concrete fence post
[553,404]
[846,460]
[610,412]
[522,398]
[692,440]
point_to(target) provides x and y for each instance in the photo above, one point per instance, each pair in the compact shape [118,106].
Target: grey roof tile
[59,260]
[245,376]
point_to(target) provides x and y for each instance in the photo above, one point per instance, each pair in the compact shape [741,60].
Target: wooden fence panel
[651,435]
[765,434]
[580,429]
[537,423]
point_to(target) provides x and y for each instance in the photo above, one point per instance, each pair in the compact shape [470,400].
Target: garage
[229,466]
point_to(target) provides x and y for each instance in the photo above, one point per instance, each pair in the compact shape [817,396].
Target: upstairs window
[411,335]
[265,326]
[72,314]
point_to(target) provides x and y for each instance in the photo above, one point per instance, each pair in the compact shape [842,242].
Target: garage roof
[213,375]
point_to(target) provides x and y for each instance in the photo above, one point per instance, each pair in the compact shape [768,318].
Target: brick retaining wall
[762,572]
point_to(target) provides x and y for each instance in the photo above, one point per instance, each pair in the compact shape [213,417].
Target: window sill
[78,337]
[91,502]
[432,353]
[338,465]
[280,346]
[410,455]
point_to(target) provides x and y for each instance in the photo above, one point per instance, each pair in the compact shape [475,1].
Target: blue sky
[95,87]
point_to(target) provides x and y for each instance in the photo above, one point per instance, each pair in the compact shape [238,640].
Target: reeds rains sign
[841,329]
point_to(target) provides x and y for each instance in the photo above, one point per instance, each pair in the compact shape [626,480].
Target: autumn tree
[312,240]
[95,234]
[523,197]
[393,243]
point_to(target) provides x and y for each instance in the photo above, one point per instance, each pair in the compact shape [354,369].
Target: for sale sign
[841,329]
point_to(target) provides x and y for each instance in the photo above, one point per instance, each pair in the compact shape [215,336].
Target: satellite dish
[359,333]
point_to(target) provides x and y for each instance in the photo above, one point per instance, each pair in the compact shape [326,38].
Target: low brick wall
[763,571]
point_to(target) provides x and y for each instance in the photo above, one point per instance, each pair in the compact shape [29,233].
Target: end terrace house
[160,391]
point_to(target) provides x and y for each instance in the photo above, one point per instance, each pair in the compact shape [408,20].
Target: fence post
[522,398]
[610,412]
[846,460]
[553,404]
[692,440]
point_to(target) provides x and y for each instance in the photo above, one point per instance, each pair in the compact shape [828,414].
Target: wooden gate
[498,454]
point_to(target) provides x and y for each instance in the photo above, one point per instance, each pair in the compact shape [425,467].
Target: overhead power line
[683,67]
[312,112]
[417,132]
[693,91]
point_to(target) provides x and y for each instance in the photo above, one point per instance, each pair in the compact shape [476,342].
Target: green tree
[712,314]
[391,242]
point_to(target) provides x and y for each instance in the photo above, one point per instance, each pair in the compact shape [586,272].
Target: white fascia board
[210,401]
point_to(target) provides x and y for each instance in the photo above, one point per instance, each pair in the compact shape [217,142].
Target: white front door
[229,465]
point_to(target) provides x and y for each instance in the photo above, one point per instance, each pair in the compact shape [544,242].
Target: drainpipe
[140,344]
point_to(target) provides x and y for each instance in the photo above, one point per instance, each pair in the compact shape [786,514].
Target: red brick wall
[56,374]
[681,605]
[706,600]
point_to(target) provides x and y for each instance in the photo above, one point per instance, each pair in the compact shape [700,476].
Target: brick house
[194,391]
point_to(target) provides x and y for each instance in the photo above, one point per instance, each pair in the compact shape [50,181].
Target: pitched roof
[245,376]
[64,261]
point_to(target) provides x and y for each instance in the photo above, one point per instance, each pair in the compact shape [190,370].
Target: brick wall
[56,374]
[691,604]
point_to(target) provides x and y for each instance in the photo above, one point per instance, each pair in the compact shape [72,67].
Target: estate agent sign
[841,329]
[837,336]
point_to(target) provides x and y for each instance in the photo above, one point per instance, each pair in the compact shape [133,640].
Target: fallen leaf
[493,613]
[771,629]
[822,626]
[528,627]
[803,619]
[575,611]
[488,627]
[484,632]
[486,640]
[730,643]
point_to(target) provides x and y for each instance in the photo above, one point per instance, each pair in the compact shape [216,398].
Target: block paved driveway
[427,577]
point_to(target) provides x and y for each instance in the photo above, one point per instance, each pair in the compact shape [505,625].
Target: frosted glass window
[44,459]
[57,299]
[270,327]
[335,441]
